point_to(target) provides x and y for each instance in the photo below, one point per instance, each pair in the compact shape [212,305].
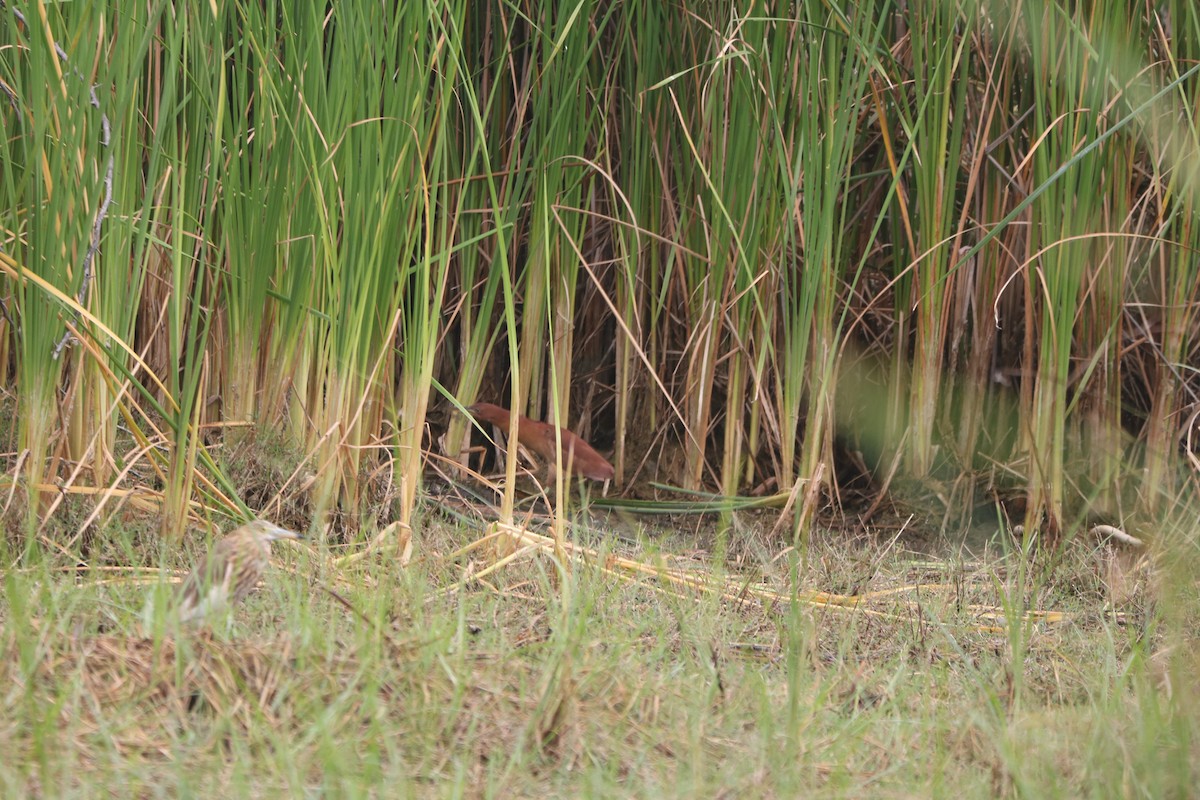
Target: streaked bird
[229,571]
[539,437]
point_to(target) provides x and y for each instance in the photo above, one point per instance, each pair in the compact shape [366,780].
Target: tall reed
[640,220]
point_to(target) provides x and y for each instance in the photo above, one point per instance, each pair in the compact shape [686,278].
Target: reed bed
[746,250]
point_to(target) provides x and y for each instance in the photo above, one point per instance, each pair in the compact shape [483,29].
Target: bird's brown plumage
[229,571]
[539,437]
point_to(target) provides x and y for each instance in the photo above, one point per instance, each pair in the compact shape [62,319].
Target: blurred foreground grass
[520,685]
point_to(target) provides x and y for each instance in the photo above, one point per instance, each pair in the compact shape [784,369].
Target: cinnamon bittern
[229,571]
[539,437]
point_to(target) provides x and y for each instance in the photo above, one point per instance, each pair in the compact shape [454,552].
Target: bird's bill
[278,532]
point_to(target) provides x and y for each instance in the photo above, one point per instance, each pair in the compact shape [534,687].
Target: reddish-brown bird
[539,438]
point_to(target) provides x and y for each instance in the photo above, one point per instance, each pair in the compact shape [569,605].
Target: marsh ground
[858,668]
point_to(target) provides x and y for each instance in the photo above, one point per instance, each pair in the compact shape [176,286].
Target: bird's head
[492,414]
[270,532]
